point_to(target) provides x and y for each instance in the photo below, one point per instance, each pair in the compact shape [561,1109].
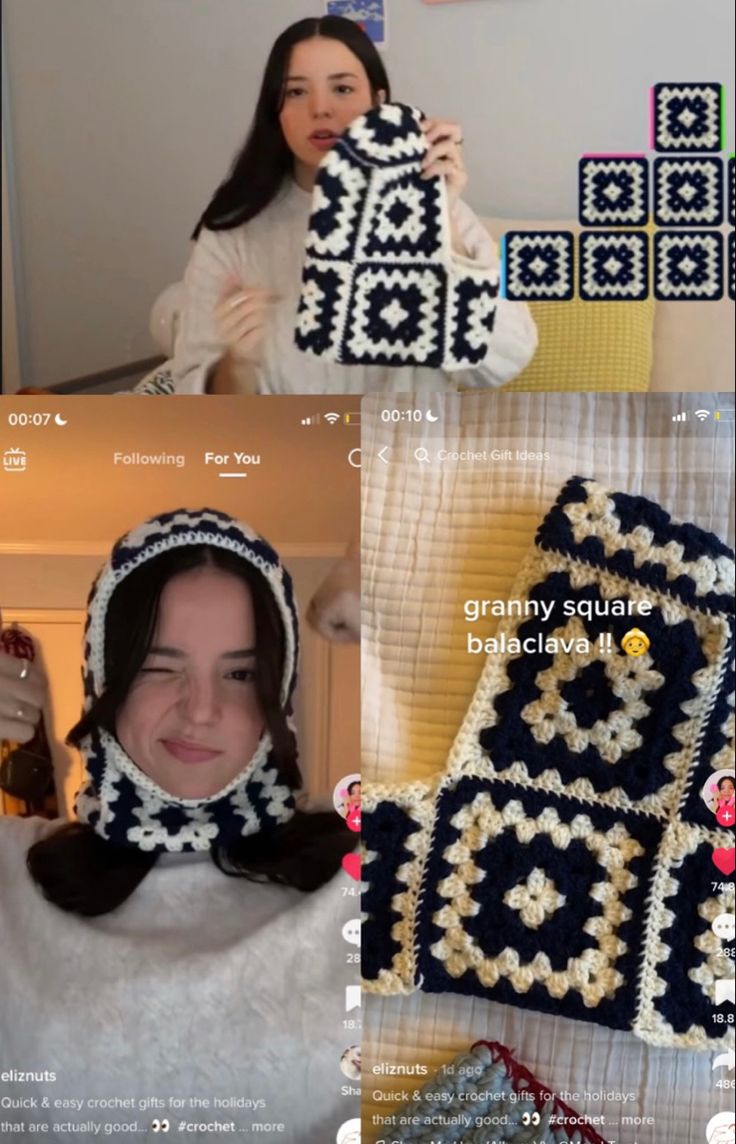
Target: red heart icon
[725,860]
[351,863]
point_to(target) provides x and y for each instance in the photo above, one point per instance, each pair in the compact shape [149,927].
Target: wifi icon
[702,414]
[331,418]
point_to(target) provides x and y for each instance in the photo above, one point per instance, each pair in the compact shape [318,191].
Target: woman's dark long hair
[265,159]
[85,874]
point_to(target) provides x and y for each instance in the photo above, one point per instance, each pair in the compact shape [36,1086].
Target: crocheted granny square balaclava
[488,1082]
[381,284]
[563,861]
[118,800]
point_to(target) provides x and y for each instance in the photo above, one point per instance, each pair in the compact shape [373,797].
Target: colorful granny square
[614,266]
[687,116]
[614,191]
[380,284]
[688,192]
[538,265]
[488,1085]
[562,861]
[732,191]
[688,267]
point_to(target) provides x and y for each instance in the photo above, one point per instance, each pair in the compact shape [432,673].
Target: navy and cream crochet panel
[380,283]
[562,861]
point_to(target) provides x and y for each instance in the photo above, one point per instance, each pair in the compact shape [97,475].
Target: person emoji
[635,642]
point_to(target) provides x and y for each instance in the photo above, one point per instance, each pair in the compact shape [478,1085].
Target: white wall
[125,114]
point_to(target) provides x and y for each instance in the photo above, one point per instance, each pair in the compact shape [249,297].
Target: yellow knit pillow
[590,345]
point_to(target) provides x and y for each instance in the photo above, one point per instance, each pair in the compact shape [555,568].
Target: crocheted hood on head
[121,802]
[563,859]
[381,284]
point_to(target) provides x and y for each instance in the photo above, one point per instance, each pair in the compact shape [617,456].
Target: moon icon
[59,420]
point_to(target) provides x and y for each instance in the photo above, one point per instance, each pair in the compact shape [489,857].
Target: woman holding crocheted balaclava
[242,285]
[181,938]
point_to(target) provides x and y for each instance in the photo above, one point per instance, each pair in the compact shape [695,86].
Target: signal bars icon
[330,418]
[701,414]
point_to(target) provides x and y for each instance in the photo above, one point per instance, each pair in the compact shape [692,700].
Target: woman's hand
[22,691]
[444,156]
[242,317]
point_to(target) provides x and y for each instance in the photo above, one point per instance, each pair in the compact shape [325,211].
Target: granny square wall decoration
[687,116]
[732,191]
[688,192]
[381,284]
[731,267]
[688,267]
[614,266]
[614,190]
[538,265]
[562,861]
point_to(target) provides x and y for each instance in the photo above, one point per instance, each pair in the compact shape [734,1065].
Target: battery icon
[723,415]
[351,418]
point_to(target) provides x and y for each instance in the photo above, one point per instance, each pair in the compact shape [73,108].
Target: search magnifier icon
[422,456]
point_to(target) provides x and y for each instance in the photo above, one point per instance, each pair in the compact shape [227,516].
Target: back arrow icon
[381,453]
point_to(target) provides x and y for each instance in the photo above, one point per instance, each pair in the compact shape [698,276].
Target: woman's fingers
[21,699]
[232,319]
[256,295]
[242,317]
[445,150]
[22,680]
[245,325]
[16,731]
[444,156]
[441,167]
[436,129]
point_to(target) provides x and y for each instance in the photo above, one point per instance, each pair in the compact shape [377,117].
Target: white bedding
[436,534]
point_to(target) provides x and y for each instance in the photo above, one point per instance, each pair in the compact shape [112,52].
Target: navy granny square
[731,268]
[688,192]
[614,266]
[613,191]
[687,116]
[731,191]
[381,285]
[536,900]
[562,861]
[538,265]
[688,267]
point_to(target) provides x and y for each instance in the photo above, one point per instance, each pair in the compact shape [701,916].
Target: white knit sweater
[200,985]
[269,251]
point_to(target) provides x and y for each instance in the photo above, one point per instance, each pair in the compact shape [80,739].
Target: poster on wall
[370,14]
